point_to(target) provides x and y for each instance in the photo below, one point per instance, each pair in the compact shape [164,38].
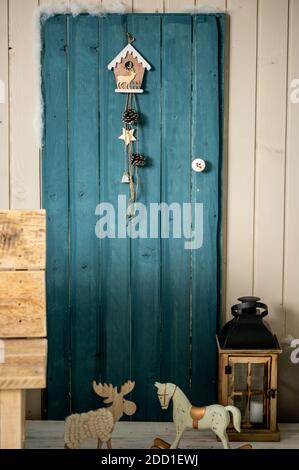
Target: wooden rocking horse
[214,417]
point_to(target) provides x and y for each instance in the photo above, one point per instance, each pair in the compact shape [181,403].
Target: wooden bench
[23,347]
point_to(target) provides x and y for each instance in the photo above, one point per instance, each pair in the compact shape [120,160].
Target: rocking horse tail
[236,416]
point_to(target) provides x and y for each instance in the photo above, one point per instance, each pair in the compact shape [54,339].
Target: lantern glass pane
[240,377]
[257,377]
[240,401]
[257,409]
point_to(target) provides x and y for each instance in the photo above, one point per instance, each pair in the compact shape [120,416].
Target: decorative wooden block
[22,304]
[24,365]
[22,315]
[22,239]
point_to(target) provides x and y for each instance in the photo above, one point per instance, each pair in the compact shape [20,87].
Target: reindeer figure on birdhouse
[99,423]
[129,67]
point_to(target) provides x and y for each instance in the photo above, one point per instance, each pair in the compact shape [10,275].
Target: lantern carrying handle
[237,309]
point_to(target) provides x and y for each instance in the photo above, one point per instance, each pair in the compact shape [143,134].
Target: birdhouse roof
[129,49]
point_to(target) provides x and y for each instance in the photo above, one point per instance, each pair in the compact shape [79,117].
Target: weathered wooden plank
[4,107]
[24,152]
[270,157]
[84,197]
[206,143]
[22,304]
[12,419]
[22,239]
[55,200]
[115,319]
[176,150]
[241,150]
[25,364]
[145,253]
[223,60]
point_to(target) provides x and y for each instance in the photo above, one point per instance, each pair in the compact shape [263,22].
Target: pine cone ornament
[137,159]
[130,116]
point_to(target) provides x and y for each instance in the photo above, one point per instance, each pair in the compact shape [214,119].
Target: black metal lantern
[248,358]
[248,330]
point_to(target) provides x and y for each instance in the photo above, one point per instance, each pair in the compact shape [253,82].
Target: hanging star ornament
[127,136]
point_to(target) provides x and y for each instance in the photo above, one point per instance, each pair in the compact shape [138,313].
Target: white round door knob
[198,165]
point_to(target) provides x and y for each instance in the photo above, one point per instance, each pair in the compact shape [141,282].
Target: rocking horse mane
[174,392]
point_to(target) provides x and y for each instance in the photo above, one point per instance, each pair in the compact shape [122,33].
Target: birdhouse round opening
[129,65]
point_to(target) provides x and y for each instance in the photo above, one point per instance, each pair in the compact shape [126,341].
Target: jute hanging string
[129,67]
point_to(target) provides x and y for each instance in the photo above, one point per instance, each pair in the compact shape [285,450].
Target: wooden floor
[49,435]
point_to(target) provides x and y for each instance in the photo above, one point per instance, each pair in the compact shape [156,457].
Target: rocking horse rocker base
[163,445]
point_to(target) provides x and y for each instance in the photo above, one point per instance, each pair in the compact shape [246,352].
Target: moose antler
[127,387]
[104,391]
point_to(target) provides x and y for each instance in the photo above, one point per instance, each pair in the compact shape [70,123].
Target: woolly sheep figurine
[99,424]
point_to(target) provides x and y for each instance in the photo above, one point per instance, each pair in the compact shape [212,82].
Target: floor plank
[139,435]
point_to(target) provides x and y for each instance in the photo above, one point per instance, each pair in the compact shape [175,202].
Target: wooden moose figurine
[99,423]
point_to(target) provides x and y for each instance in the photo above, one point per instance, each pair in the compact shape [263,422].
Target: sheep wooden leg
[109,446]
[100,444]
[12,419]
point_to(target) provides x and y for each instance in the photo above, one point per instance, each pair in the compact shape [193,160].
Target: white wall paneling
[144,6]
[212,4]
[4,108]
[270,157]
[127,3]
[241,146]
[173,6]
[24,153]
[292,187]
[261,214]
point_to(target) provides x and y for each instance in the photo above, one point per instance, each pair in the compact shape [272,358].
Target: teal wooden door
[143,308]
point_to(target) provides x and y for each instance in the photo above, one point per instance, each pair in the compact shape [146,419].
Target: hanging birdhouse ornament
[129,67]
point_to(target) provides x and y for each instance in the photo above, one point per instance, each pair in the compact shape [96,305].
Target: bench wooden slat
[22,239]
[24,365]
[22,304]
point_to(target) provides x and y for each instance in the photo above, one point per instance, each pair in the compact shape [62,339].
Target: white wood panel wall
[262,190]
[4,107]
[291,259]
[270,156]
[241,148]
[24,153]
